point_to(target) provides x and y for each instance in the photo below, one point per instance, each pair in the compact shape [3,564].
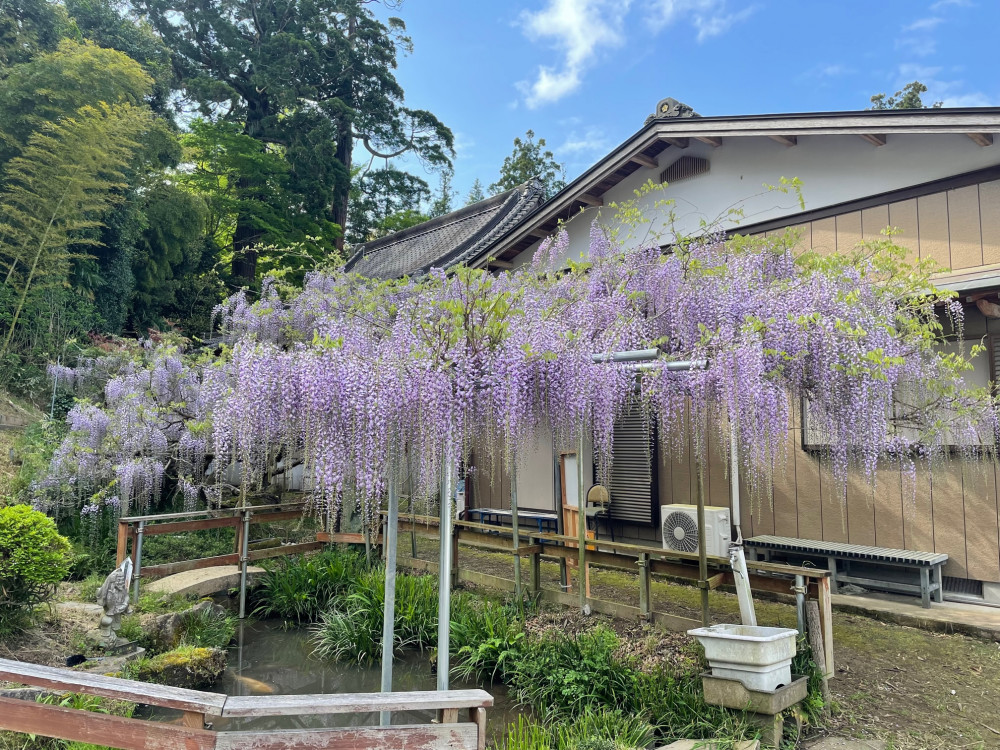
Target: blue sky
[584,74]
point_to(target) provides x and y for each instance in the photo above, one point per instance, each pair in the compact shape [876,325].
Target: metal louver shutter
[631,482]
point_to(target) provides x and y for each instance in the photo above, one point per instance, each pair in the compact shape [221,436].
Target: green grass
[300,589]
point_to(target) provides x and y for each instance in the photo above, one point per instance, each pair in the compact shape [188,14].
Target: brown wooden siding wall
[952,508]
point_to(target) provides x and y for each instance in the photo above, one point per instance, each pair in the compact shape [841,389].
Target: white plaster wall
[833,170]
[535,475]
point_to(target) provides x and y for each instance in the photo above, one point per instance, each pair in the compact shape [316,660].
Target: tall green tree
[311,77]
[530,159]
[28,27]
[67,176]
[476,193]
[906,98]
[385,201]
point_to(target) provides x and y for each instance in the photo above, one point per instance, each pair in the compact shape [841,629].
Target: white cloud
[709,17]
[592,142]
[579,29]
[924,24]
[825,70]
[951,93]
[954,3]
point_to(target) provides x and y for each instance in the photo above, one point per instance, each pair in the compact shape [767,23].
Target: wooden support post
[123,533]
[478,717]
[826,623]
[536,572]
[193,719]
[816,644]
[645,606]
[449,715]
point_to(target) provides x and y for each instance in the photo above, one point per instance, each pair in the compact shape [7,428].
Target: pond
[269,659]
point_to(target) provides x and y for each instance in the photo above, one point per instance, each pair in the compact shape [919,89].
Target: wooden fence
[643,561]
[200,708]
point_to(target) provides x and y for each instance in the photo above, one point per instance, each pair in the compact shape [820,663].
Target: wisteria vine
[351,376]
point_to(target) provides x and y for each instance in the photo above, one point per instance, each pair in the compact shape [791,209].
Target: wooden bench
[927,564]
[200,707]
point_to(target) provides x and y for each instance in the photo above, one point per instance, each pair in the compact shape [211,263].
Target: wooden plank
[873,221]
[286,549]
[462,736]
[981,521]
[173,527]
[824,235]
[787,570]
[981,139]
[346,703]
[989,214]
[903,216]
[168,569]
[99,729]
[849,234]
[713,142]
[808,500]
[932,216]
[964,230]
[874,138]
[949,516]
[56,678]
[269,517]
[339,537]
[677,142]
[212,513]
[590,200]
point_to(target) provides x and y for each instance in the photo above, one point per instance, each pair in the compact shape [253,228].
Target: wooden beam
[590,200]
[714,142]
[873,138]
[464,736]
[502,264]
[981,139]
[99,729]
[785,140]
[644,161]
[540,232]
[244,706]
[677,142]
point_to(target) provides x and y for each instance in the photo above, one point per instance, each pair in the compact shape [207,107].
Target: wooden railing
[200,708]
[641,560]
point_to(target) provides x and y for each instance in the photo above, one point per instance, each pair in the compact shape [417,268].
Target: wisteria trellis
[350,374]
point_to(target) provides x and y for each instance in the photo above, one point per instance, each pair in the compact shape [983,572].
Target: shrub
[485,636]
[34,557]
[562,674]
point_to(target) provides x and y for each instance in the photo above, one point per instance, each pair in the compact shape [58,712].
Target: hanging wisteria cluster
[352,377]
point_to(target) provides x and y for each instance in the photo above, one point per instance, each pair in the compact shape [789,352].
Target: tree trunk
[345,145]
[247,236]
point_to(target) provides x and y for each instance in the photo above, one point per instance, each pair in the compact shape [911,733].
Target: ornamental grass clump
[299,589]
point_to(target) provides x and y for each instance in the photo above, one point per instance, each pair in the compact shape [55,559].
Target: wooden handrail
[136,734]
[214,512]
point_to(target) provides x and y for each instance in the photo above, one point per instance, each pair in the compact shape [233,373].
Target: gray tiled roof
[447,240]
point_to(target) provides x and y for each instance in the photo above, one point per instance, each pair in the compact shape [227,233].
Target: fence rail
[764,577]
[201,707]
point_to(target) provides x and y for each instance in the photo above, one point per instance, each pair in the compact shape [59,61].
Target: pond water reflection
[268,659]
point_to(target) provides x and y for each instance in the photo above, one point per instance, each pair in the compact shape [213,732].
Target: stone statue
[114,597]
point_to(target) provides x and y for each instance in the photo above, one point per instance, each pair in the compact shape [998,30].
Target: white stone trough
[758,657]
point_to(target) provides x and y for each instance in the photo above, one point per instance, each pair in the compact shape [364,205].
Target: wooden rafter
[873,138]
[785,140]
[590,200]
[711,141]
[540,232]
[677,142]
[502,264]
[982,139]
[644,161]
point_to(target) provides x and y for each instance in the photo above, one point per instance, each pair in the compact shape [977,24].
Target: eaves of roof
[659,134]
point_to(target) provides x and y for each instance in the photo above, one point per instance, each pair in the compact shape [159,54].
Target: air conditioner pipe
[737,560]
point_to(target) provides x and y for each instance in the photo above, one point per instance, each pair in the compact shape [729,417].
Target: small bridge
[199,708]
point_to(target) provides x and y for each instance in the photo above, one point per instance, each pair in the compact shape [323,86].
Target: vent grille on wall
[683,168]
[964,586]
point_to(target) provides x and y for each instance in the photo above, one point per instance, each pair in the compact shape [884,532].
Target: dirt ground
[913,689]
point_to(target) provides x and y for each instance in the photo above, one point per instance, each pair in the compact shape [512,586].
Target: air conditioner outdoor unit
[680,529]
